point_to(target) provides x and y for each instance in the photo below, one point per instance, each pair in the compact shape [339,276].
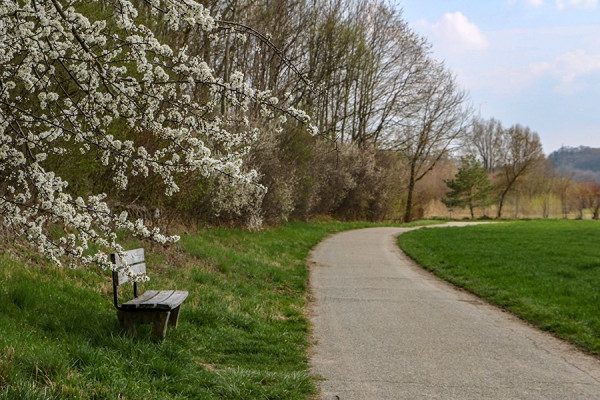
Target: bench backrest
[134,259]
[136,262]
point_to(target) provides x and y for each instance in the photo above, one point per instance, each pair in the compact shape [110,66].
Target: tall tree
[438,117]
[521,152]
[484,140]
[470,187]
[594,188]
[542,184]
[588,196]
[366,61]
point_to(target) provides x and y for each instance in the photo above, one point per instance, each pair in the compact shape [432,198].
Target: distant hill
[579,163]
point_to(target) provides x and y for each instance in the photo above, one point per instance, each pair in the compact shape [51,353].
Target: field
[243,333]
[546,272]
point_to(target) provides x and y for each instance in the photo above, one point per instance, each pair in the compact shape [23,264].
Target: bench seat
[157,299]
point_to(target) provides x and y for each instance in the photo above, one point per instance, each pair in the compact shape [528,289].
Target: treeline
[390,120]
[504,168]
[387,112]
[579,163]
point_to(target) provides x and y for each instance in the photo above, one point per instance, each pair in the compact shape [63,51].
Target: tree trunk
[546,207]
[409,198]
[565,207]
[500,204]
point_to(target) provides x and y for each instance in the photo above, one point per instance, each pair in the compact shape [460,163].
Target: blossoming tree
[71,81]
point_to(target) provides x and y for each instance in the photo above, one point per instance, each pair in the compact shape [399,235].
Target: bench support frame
[159,319]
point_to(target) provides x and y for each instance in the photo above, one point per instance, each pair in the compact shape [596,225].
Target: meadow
[547,271]
[243,332]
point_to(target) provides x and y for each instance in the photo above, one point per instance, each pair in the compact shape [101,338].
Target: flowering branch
[70,84]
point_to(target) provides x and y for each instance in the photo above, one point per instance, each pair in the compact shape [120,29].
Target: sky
[532,62]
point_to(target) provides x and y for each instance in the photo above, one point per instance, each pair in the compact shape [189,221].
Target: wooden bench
[157,307]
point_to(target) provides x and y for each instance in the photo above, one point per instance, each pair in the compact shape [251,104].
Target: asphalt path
[383,328]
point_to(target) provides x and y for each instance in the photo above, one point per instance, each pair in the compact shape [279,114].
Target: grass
[546,272]
[242,334]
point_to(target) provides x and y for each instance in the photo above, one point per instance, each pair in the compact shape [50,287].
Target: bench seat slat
[163,300]
[147,297]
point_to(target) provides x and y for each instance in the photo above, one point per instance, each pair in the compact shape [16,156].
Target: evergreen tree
[470,186]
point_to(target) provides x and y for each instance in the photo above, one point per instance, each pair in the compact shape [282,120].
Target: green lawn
[243,332]
[546,272]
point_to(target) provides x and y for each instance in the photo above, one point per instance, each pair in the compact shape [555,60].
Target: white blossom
[67,80]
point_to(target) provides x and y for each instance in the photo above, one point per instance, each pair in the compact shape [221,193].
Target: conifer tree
[470,186]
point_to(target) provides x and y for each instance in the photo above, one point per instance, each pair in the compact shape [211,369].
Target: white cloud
[586,4]
[563,59]
[573,67]
[457,34]
[572,72]
[533,3]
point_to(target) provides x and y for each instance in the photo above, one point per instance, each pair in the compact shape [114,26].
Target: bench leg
[127,321]
[174,318]
[159,319]
[159,325]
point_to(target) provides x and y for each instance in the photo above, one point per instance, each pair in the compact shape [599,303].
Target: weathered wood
[127,322]
[163,299]
[159,320]
[174,318]
[134,256]
[134,259]
[157,307]
[159,325]
[136,269]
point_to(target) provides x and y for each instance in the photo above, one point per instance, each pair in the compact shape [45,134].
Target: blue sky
[533,62]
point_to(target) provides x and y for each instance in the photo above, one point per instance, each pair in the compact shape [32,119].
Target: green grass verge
[546,272]
[242,334]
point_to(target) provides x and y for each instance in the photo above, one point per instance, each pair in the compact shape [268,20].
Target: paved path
[385,329]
